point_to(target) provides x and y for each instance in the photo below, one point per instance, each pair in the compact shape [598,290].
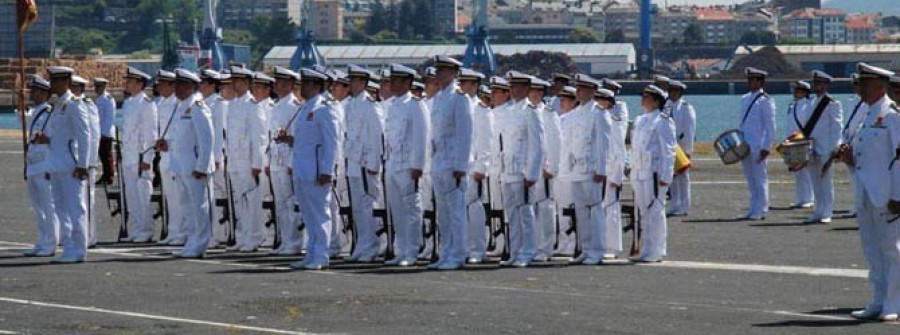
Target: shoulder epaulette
[253,100]
[200,103]
[615,117]
[664,115]
[460,91]
[146,98]
[296,102]
[76,98]
[895,108]
[370,98]
[481,103]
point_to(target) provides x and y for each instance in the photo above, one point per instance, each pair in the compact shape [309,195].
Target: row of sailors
[531,158]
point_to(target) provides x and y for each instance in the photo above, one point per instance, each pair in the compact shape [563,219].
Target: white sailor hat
[284,73]
[470,75]
[79,80]
[430,71]
[562,76]
[385,75]
[568,92]
[801,85]
[163,75]
[307,74]
[359,71]
[867,71]
[661,79]
[516,77]
[854,77]
[240,72]
[137,74]
[339,76]
[499,83]
[401,71]
[186,76]
[446,61]
[373,85]
[586,80]
[225,78]
[60,72]
[895,80]
[539,84]
[209,74]
[821,76]
[262,78]
[39,83]
[418,85]
[611,84]
[752,72]
[99,81]
[655,91]
[605,94]
[484,90]
[677,84]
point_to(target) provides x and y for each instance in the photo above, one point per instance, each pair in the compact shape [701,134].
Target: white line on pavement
[8,332]
[10,152]
[780,269]
[230,326]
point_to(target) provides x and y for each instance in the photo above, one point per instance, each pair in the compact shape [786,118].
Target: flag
[26,13]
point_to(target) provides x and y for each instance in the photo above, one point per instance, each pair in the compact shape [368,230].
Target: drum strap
[850,119]
[814,119]
[750,107]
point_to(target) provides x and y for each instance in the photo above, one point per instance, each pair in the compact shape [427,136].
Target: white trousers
[803,189]
[138,187]
[652,208]
[519,212]
[178,228]
[589,217]
[478,231]
[364,193]
[406,213]
[39,190]
[823,186]
[545,217]
[681,193]
[91,206]
[611,229]
[758,181]
[220,191]
[248,207]
[288,219]
[197,197]
[426,189]
[314,202]
[69,195]
[449,196]
[564,200]
[881,247]
[340,241]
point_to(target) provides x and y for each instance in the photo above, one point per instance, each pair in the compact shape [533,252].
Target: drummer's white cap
[754,72]
[800,84]
[821,76]
[677,84]
[655,91]
[867,71]
[661,79]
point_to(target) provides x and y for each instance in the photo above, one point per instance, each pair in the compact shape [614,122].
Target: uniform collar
[287,99]
[450,88]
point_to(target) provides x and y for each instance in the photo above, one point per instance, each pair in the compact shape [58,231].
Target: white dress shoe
[865,314]
[407,263]
[474,260]
[607,257]
[892,317]
[450,266]
[591,261]
[67,259]
[521,264]
[313,266]
[176,242]
[825,220]
[234,248]
[248,248]
[435,265]
[541,258]
[578,260]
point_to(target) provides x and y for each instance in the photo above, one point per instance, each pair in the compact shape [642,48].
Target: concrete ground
[721,277]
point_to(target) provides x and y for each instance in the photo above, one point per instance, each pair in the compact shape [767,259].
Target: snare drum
[731,146]
[797,153]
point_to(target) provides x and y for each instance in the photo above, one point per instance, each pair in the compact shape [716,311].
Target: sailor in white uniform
[281,120]
[610,233]
[209,89]
[177,234]
[565,245]
[545,189]
[803,193]
[78,87]
[501,99]
[682,112]
[873,154]
[476,191]
[653,159]
[758,127]
[823,124]
[854,117]
[37,175]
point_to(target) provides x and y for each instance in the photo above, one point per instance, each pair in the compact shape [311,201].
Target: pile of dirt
[767,59]
[89,69]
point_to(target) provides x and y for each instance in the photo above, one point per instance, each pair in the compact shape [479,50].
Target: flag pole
[21,103]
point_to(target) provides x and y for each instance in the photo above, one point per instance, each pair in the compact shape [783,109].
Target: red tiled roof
[713,14]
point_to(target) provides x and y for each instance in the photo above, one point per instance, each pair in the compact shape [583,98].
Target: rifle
[229,215]
[122,200]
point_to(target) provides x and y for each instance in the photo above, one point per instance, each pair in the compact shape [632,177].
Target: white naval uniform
[610,233]
[246,141]
[451,144]
[796,117]
[69,133]
[177,226]
[584,151]
[363,149]
[521,134]
[284,114]
[653,161]
[566,233]
[685,119]
[878,181]
[139,135]
[94,161]
[38,179]
[427,191]
[827,135]
[406,140]
[851,124]
[219,109]
[315,152]
[339,238]
[191,143]
[476,192]
[545,190]
[494,188]
[758,128]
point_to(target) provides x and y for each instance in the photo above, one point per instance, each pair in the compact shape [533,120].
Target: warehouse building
[838,60]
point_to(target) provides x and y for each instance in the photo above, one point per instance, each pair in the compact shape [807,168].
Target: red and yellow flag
[26,13]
